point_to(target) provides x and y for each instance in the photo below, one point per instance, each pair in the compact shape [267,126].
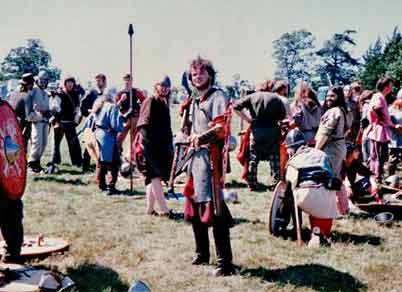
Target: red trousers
[325,225]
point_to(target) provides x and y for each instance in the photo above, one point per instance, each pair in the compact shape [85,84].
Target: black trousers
[11,215]
[86,160]
[73,142]
[221,231]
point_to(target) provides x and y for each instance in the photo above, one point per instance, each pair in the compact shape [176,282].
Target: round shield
[12,154]
[280,211]
[33,247]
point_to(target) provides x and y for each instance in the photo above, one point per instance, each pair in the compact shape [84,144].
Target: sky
[86,37]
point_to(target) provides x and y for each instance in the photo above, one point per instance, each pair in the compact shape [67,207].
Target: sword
[179,145]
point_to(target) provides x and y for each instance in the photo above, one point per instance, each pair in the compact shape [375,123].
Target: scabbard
[215,152]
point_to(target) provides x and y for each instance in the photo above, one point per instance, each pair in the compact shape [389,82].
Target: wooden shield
[13,169]
[91,144]
[31,249]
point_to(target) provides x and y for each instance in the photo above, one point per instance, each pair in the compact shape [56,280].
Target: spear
[131,33]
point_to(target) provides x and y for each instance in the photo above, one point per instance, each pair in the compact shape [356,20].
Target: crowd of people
[357,131]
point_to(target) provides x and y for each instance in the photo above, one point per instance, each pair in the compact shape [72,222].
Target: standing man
[266,111]
[66,121]
[209,104]
[307,116]
[281,89]
[37,112]
[124,105]
[108,123]
[379,130]
[88,101]
[352,116]
[330,136]
[17,102]
[86,106]
[357,90]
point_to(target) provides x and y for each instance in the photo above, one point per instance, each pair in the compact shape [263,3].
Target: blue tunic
[108,122]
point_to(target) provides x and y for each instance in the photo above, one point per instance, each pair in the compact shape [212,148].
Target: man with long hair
[202,195]
[65,122]
[307,116]
[155,130]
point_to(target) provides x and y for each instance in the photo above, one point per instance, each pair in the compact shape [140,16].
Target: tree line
[297,57]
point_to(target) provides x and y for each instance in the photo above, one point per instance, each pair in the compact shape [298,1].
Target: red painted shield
[13,169]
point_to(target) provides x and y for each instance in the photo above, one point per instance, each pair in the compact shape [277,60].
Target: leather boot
[201,244]
[223,252]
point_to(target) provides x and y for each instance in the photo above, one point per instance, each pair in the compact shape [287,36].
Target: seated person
[357,188]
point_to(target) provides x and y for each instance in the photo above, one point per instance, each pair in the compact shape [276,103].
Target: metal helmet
[125,169]
[139,286]
[42,79]
[295,138]
[350,147]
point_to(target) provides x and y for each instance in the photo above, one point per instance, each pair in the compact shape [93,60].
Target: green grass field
[114,242]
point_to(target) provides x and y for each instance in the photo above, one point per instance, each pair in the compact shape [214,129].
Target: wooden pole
[131,33]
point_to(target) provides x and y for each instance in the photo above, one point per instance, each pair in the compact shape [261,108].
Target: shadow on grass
[71,172]
[62,180]
[128,193]
[94,277]
[238,221]
[360,216]
[313,276]
[356,239]
[234,184]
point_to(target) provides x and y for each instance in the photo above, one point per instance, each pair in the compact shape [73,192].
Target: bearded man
[202,196]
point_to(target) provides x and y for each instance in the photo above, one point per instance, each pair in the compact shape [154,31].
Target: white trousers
[39,135]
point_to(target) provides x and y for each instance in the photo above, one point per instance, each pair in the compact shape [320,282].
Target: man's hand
[185,105]
[194,141]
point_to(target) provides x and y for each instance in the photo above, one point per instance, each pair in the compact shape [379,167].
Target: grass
[113,242]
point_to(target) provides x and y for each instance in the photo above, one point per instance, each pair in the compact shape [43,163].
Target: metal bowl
[384,218]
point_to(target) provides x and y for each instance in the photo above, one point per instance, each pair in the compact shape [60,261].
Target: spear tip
[130,29]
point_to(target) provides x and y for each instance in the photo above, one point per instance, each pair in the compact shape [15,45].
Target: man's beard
[204,86]
[331,104]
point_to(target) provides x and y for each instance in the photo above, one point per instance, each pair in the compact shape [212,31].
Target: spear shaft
[131,33]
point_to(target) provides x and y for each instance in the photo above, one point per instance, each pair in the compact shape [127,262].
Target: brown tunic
[155,127]
[332,124]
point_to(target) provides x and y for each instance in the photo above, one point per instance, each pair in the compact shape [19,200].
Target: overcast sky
[88,37]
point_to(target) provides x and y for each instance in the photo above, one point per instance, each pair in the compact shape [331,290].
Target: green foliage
[28,59]
[337,62]
[293,56]
[373,67]
[382,60]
